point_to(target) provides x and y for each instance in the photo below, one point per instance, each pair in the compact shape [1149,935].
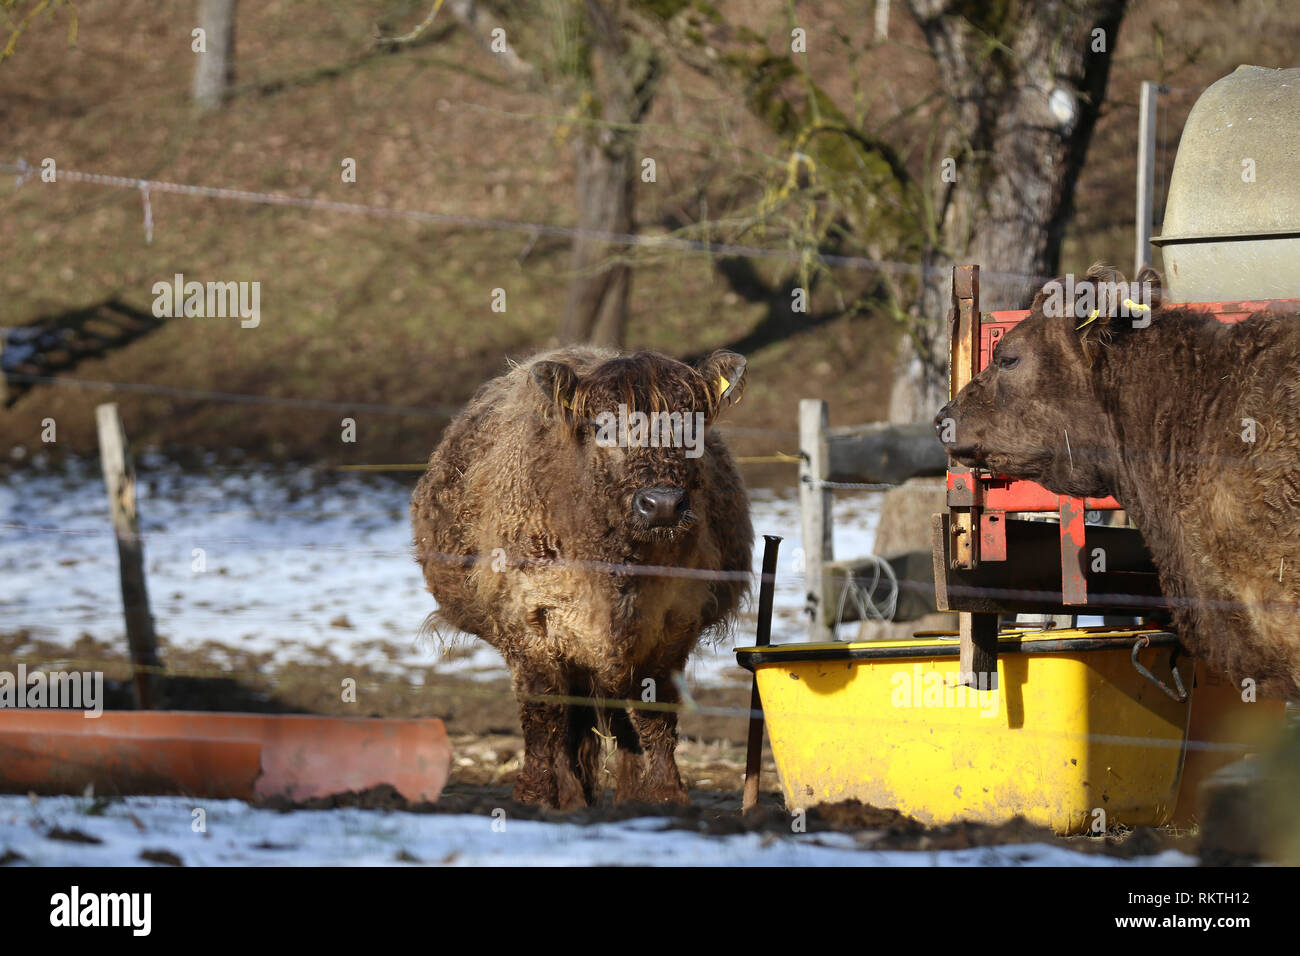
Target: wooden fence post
[119,478]
[815,513]
[978,632]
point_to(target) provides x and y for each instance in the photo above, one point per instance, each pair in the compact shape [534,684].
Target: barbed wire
[147,187]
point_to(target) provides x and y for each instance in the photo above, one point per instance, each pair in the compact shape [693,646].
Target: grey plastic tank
[1227,238]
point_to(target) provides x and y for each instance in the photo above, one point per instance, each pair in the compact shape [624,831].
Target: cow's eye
[1005,361]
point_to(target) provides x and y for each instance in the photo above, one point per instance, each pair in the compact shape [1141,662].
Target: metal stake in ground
[119,478]
[754,748]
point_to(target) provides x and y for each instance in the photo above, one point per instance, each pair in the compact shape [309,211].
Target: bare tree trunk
[214,73]
[920,386]
[599,290]
[1025,84]
[624,74]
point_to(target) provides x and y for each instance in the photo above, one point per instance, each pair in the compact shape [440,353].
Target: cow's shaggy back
[1193,425]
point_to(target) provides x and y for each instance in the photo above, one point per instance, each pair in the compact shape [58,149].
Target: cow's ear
[1100,295]
[725,374]
[558,382]
[1108,288]
[1151,285]
[1048,291]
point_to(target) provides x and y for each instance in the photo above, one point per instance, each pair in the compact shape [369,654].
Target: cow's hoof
[570,794]
[534,792]
[660,795]
[678,796]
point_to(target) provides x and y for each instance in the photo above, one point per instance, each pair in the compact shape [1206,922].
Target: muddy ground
[487,748]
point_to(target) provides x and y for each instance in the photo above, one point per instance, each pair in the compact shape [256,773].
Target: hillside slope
[393,312]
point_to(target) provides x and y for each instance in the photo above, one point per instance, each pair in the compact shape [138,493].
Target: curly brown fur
[1154,416]
[522,525]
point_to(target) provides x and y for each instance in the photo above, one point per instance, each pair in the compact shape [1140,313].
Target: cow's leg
[648,772]
[658,733]
[536,780]
[629,781]
[583,747]
[547,776]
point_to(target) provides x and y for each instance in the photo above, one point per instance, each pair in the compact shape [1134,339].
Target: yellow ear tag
[566,403]
[1136,306]
[1091,319]
[723,385]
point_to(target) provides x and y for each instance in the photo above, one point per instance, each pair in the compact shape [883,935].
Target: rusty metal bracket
[1181,694]
[1074,573]
[965,541]
[993,536]
[963,486]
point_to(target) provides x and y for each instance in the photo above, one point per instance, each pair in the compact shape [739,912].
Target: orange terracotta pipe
[220,755]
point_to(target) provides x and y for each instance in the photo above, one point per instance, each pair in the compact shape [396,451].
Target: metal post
[1146,175]
[754,749]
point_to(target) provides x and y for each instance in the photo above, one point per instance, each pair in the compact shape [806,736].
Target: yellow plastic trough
[1072,731]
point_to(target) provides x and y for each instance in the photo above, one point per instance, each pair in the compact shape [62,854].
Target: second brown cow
[1191,423]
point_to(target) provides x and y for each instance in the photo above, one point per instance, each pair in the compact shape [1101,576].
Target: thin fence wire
[973,699]
[501,561]
[688,705]
[848,485]
[450,411]
[243,398]
[251,398]
[149,187]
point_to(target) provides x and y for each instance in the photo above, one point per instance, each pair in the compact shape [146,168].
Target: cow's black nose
[661,506]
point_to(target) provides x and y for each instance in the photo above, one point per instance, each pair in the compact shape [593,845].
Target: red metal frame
[994,495]
[994,325]
[1000,493]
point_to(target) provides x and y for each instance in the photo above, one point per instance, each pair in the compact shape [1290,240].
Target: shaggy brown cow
[1192,424]
[544,525]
